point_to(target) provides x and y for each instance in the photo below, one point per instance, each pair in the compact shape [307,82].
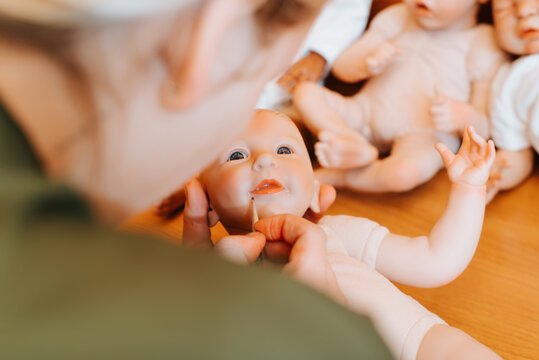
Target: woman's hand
[302,245]
[238,248]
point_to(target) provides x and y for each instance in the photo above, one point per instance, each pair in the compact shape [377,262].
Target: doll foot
[344,151]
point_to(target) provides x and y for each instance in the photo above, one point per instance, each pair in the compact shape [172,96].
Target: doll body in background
[428,66]
[514,103]
[271,164]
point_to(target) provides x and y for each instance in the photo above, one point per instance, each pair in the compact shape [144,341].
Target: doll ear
[315,202]
[213,217]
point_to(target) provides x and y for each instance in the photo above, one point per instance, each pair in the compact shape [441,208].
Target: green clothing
[70,288]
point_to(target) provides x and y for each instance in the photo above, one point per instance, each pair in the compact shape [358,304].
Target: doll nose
[263,161]
[526,8]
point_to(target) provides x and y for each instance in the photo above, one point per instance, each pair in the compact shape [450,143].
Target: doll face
[517,25]
[269,163]
[443,14]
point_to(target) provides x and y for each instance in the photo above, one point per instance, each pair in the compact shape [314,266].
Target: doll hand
[326,199]
[378,59]
[303,245]
[472,163]
[308,68]
[450,115]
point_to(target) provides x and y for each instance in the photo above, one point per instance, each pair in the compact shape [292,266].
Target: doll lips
[529,34]
[267,187]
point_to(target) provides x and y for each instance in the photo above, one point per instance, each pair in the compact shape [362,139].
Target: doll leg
[413,161]
[337,122]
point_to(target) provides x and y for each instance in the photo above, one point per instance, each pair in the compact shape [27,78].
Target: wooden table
[496,299]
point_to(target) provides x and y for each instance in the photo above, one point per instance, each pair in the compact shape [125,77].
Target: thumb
[196,230]
[241,249]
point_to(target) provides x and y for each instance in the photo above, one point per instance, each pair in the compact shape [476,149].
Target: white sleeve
[357,237]
[400,320]
[338,25]
[508,130]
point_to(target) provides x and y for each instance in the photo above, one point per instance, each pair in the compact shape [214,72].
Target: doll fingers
[446,154]
[491,153]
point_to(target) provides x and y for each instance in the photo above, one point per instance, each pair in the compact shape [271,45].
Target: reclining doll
[514,103]
[428,67]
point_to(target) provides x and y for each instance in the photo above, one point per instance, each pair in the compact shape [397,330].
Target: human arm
[340,22]
[437,259]
[373,51]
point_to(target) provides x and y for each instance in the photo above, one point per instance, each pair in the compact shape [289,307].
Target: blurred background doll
[340,23]
[514,102]
[428,66]
[271,165]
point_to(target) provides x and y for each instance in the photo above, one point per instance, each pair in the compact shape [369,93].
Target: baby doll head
[517,25]
[269,163]
[444,14]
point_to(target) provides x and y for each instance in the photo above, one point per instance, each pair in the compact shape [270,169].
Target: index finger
[303,235]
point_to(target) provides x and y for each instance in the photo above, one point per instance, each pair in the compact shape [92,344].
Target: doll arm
[437,259]
[373,51]
[509,170]
[444,342]
[409,329]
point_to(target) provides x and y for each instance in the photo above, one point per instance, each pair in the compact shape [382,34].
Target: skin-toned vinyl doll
[271,165]
[514,103]
[428,66]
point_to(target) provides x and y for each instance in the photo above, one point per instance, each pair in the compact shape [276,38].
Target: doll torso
[398,100]
[514,105]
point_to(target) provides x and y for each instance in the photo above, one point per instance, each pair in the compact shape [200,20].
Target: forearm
[454,237]
[443,342]
[437,259]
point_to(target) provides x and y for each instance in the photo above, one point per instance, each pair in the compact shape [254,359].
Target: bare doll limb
[337,121]
[443,342]
[413,161]
[510,169]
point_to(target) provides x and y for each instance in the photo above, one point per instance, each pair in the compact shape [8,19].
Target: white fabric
[514,105]
[353,245]
[340,22]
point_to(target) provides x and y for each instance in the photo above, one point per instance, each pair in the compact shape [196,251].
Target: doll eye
[236,155]
[284,150]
